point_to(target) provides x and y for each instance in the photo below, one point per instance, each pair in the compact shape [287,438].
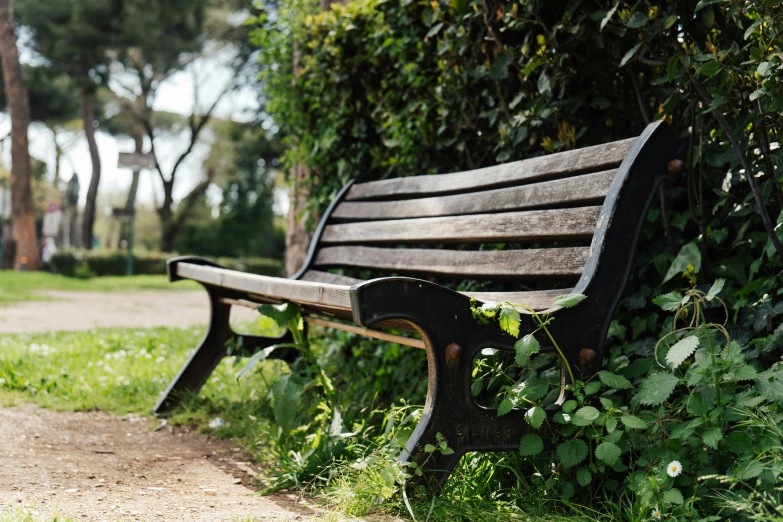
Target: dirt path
[93,466]
[86,310]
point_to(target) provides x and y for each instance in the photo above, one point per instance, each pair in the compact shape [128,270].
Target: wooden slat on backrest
[585,189]
[491,264]
[535,225]
[589,159]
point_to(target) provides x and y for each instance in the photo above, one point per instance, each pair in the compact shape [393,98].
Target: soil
[94,466]
[81,311]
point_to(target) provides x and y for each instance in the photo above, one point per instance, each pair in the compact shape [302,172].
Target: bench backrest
[544,212]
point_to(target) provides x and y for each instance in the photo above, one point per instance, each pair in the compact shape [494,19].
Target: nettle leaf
[583,476]
[712,436]
[715,289]
[531,444]
[572,452]
[569,300]
[632,422]
[656,388]
[509,320]
[744,373]
[608,452]
[585,416]
[681,350]
[673,496]
[535,416]
[611,424]
[525,348]
[612,380]
[569,406]
[505,406]
[286,392]
[669,302]
[592,387]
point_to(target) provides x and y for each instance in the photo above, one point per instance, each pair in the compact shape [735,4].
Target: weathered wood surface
[584,190]
[532,225]
[318,276]
[588,159]
[500,264]
[305,292]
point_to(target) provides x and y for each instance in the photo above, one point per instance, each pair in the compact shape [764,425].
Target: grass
[125,370]
[26,286]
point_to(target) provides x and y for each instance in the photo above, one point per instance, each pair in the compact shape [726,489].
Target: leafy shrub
[85,264]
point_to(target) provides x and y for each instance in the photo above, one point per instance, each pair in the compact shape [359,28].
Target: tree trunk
[87,98]
[19,110]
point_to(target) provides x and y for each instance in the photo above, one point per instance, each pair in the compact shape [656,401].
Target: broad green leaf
[572,452]
[744,373]
[429,448]
[535,416]
[656,388]
[770,384]
[254,360]
[711,437]
[608,452]
[638,19]
[531,444]
[569,406]
[526,348]
[504,407]
[569,300]
[710,68]
[697,406]
[669,21]
[509,320]
[630,54]
[585,416]
[715,289]
[669,302]
[611,424]
[583,476]
[282,313]
[286,392]
[592,387]
[689,255]
[476,386]
[681,350]
[612,380]
[673,496]
[632,422]
[544,83]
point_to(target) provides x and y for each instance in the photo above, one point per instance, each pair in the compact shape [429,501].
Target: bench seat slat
[532,225]
[498,264]
[537,299]
[588,159]
[304,292]
[586,189]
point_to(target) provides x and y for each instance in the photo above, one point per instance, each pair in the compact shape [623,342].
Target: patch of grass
[24,286]
[22,514]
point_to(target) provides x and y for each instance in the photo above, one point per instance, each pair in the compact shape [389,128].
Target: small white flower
[674,468]
[656,513]
[489,305]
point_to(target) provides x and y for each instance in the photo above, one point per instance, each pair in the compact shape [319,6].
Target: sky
[175,94]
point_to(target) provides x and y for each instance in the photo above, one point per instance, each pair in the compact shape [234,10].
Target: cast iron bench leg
[211,350]
[453,338]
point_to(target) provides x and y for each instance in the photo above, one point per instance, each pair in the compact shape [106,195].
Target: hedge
[83,263]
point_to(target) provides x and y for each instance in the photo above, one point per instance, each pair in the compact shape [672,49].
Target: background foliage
[377,89]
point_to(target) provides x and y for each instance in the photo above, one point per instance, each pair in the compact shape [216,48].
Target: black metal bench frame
[451,337]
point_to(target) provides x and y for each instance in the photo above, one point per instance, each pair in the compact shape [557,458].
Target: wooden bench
[570,222]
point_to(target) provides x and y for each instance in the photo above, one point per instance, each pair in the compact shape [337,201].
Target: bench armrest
[171,265]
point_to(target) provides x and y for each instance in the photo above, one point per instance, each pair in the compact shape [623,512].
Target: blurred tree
[75,36]
[19,110]
[244,227]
